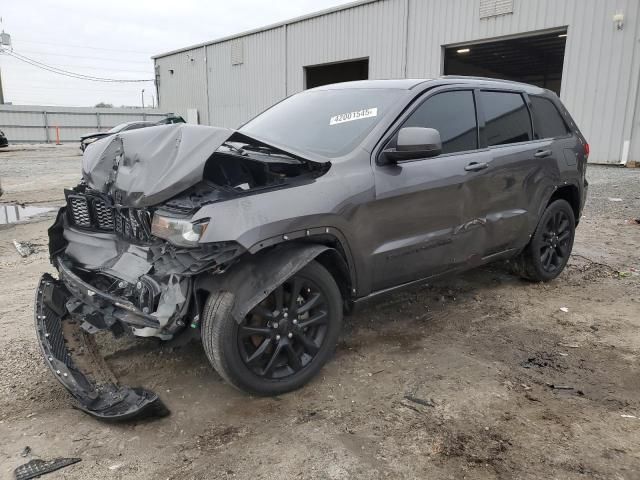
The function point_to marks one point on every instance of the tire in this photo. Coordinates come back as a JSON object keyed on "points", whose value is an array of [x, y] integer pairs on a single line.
{"points": [[280, 339], [533, 264]]}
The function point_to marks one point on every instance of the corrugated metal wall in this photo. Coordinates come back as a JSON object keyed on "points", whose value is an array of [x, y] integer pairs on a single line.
{"points": [[376, 31], [182, 83], [405, 38], [239, 92], [36, 124]]}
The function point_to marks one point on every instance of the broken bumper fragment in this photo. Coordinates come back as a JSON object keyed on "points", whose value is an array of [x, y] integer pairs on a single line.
{"points": [[72, 354]]}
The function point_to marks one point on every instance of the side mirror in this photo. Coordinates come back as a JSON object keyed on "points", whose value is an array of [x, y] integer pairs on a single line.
{"points": [[413, 143]]}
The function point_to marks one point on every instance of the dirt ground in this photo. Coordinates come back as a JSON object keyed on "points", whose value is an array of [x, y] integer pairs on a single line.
{"points": [[451, 380]]}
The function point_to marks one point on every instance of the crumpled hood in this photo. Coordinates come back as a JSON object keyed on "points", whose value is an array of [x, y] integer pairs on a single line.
{"points": [[148, 166]]}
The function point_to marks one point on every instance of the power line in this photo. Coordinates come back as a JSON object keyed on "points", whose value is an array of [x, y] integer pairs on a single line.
{"points": [[108, 59], [67, 73], [87, 47]]}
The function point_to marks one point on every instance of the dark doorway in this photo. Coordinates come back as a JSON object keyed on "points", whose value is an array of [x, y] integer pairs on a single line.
{"points": [[535, 59], [318, 75]]}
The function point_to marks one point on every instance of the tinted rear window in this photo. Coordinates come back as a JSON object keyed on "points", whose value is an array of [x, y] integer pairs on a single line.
{"points": [[453, 114], [547, 119], [507, 118]]}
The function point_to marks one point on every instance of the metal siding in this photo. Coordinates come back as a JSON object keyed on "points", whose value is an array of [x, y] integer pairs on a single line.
{"points": [[186, 88], [239, 92], [26, 123], [406, 38], [600, 73], [375, 31]]}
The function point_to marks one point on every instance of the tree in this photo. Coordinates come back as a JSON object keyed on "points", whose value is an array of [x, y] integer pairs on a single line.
{"points": [[104, 105]]}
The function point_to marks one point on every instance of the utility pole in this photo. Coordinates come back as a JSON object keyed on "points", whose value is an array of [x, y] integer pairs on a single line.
{"points": [[5, 41], [143, 98]]}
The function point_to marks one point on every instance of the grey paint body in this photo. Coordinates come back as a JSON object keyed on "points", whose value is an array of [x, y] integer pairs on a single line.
{"points": [[394, 223], [376, 226], [401, 223]]}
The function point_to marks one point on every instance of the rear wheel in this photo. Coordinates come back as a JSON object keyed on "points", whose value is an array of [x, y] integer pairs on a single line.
{"points": [[550, 247], [283, 342]]}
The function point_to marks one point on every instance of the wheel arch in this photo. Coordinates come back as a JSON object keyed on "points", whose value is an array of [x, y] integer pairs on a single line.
{"points": [[571, 195], [255, 276]]}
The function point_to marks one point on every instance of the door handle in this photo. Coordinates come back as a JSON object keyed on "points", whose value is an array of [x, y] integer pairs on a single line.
{"points": [[543, 153], [475, 166]]}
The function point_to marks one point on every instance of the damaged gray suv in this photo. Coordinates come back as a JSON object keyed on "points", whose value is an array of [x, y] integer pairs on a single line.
{"points": [[258, 240]]}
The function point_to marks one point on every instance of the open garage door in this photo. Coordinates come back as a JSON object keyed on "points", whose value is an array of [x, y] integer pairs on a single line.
{"points": [[535, 59], [318, 75]]}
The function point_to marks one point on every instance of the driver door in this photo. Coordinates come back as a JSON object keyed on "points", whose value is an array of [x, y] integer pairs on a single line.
{"points": [[420, 210]]}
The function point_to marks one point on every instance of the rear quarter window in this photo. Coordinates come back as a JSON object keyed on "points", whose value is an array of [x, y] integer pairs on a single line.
{"points": [[547, 120], [506, 118]]}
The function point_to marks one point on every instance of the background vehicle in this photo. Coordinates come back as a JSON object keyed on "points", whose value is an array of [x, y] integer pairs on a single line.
{"points": [[261, 239], [3, 140], [125, 127]]}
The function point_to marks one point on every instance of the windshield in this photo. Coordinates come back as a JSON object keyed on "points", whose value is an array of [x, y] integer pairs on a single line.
{"points": [[326, 122]]}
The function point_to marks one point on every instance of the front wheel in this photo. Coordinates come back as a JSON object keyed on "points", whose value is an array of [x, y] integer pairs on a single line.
{"points": [[550, 247], [283, 342]]}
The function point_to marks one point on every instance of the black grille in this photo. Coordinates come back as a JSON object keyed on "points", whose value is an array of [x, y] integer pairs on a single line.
{"points": [[90, 211]]}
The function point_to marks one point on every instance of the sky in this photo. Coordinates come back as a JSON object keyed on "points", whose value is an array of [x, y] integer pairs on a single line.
{"points": [[115, 39]]}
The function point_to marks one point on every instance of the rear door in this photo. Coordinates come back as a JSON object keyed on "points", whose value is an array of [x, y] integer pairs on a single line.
{"points": [[521, 167], [420, 204]]}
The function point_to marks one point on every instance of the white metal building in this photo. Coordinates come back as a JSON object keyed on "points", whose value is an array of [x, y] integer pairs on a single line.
{"points": [[586, 50]]}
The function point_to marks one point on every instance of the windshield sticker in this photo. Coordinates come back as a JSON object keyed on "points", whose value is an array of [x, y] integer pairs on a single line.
{"points": [[351, 116]]}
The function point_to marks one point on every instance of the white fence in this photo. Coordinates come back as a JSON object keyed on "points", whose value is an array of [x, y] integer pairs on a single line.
{"points": [[39, 124]]}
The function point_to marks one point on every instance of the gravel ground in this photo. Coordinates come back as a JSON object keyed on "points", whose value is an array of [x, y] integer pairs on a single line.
{"points": [[449, 380]]}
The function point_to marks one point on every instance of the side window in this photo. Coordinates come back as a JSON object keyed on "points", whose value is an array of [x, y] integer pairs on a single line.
{"points": [[547, 119], [506, 118], [453, 114]]}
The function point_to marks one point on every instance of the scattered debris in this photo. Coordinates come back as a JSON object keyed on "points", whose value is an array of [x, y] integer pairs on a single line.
{"points": [[24, 248], [564, 309], [568, 345], [543, 360], [116, 466], [562, 354], [559, 387], [525, 386], [37, 467], [628, 416], [614, 199], [420, 401], [565, 388], [26, 451]]}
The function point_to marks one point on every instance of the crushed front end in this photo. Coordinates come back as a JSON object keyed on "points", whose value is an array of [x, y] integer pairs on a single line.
{"points": [[113, 274], [127, 248]]}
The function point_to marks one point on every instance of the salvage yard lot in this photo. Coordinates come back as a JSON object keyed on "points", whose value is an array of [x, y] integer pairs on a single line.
{"points": [[457, 379]]}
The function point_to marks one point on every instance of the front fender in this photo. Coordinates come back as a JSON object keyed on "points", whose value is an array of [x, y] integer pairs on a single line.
{"points": [[253, 278]]}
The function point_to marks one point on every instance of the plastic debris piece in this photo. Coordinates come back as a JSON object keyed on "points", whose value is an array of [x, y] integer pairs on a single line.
{"points": [[628, 416], [420, 401], [564, 309], [612, 199], [24, 248], [38, 467], [26, 451]]}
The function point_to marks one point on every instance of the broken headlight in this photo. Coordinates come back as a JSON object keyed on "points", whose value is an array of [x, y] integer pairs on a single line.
{"points": [[178, 231]]}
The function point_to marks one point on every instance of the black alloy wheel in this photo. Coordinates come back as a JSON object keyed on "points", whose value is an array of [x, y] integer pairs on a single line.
{"points": [[284, 333], [283, 341], [555, 248], [548, 251]]}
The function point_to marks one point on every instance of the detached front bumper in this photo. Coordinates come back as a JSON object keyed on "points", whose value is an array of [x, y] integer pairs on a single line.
{"points": [[72, 354]]}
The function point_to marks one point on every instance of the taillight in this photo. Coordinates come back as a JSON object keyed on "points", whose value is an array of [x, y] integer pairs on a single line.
{"points": [[586, 149]]}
